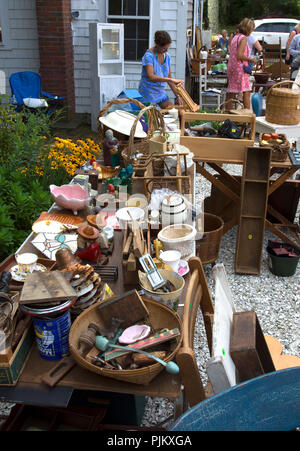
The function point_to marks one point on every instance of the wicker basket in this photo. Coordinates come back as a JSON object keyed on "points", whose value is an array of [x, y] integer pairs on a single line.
{"points": [[279, 151], [283, 104], [160, 316], [102, 128], [156, 121]]}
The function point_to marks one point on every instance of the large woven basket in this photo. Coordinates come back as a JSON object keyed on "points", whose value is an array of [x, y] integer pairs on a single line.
{"points": [[102, 128], [160, 316], [283, 104], [156, 122]]}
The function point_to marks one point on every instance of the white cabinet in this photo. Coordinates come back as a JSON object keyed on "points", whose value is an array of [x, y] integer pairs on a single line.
{"points": [[107, 65]]}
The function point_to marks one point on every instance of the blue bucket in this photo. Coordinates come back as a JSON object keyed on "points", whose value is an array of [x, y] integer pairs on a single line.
{"points": [[52, 336]]}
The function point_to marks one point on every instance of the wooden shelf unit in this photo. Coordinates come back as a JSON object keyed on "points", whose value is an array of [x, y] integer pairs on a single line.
{"points": [[254, 199]]}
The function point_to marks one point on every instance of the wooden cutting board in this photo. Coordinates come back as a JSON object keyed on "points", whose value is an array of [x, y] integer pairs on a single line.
{"points": [[129, 307], [43, 287]]}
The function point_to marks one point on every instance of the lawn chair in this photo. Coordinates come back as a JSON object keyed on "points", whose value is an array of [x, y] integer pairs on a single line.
{"points": [[270, 402], [26, 90]]}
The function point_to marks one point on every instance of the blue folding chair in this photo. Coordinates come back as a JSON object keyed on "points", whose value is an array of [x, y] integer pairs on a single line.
{"points": [[270, 402], [27, 85]]}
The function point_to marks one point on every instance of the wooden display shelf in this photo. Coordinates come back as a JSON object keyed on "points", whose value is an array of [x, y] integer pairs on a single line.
{"points": [[216, 149], [254, 200]]}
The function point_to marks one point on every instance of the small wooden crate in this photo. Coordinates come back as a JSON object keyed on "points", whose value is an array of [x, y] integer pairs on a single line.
{"points": [[10, 371], [248, 347], [218, 149]]}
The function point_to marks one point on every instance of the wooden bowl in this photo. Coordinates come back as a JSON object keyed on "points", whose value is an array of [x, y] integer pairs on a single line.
{"points": [[261, 77], [160, 316]]}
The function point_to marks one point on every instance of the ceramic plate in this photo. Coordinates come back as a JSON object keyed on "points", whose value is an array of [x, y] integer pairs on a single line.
{"points": [[84, 289], [19, 276], [183, 268], [47, 226]]}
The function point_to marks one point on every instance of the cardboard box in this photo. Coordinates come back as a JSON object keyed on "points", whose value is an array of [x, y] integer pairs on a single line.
{"points": [[11, 370]]}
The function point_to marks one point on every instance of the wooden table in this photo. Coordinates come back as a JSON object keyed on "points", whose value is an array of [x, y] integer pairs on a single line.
{"points": [[31, 390], [230, 187]]}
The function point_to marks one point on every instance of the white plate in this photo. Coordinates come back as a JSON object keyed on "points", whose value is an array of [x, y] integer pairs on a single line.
{"points": [[19, 276], [183, 268], [47, 226]]}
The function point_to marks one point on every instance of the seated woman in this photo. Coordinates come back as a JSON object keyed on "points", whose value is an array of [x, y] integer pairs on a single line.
{"points": [[156, 73]]}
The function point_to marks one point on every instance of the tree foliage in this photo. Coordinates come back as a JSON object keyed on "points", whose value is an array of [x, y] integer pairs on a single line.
{"points": [[233, 11]]}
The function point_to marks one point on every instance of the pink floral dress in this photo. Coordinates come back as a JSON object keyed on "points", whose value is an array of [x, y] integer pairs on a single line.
{"points": [[238, 80]]}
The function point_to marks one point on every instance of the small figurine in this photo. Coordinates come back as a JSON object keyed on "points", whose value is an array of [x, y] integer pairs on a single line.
{"points": [[111, 149]]}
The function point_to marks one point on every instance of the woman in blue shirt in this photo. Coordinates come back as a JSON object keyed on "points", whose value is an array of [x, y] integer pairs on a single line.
{"points": [[156, 72]]}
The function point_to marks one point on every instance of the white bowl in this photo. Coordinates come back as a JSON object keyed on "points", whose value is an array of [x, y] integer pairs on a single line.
{"points": [[178, 237], [123, 216]]}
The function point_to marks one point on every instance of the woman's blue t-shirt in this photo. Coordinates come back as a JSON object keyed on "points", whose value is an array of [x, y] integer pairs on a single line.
{"points": [[154, 91]]}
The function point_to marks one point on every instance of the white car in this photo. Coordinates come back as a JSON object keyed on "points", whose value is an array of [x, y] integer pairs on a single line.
{"points": [[272, 29]]}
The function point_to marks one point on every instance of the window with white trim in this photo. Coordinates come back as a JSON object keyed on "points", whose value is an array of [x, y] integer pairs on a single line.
{"points": [[135, 15]]}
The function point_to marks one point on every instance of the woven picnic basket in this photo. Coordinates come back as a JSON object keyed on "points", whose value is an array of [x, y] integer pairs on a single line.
{"points": [[102, 128], [283, 104], [160, 317], [279, 151], [156, 122]]}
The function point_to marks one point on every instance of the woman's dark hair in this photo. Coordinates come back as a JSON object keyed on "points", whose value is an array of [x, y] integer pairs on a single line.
{"points": [[162, 38]]}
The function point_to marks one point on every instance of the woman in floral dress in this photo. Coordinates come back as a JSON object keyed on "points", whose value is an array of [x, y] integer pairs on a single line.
{"points": [[238, 80]]}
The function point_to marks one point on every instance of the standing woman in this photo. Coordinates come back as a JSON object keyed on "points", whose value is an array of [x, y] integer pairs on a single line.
{"points": [[293, 33], [156, 72], [238, 79]]}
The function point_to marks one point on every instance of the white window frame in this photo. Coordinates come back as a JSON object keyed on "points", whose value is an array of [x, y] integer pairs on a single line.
{"points": [[108, 16]]}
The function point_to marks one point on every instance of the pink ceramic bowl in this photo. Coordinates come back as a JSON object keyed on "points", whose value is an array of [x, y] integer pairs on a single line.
{"points": [[72, 197]]}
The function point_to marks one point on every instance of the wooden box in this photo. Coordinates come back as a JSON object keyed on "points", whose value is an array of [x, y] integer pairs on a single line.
{"points": [[218, 149], [154, 176], [11, 370], [248, 347]]}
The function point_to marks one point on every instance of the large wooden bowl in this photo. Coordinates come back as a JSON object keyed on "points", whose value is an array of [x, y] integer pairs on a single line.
{"points": [[160, 316]]}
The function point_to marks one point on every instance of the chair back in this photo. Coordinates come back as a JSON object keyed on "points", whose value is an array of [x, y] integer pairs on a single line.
{"points": [[202, 81], [272, 59], [25, 84], [197, 295]]}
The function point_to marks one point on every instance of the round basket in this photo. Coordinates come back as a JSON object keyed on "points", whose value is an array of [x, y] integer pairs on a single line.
{"points": [[170, 299], [283, 104], [102, 128], [279, 151], [160, 316], [142, 145]]}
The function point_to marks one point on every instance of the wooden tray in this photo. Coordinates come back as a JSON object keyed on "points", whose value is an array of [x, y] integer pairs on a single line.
{"points": [[11, 261]]}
